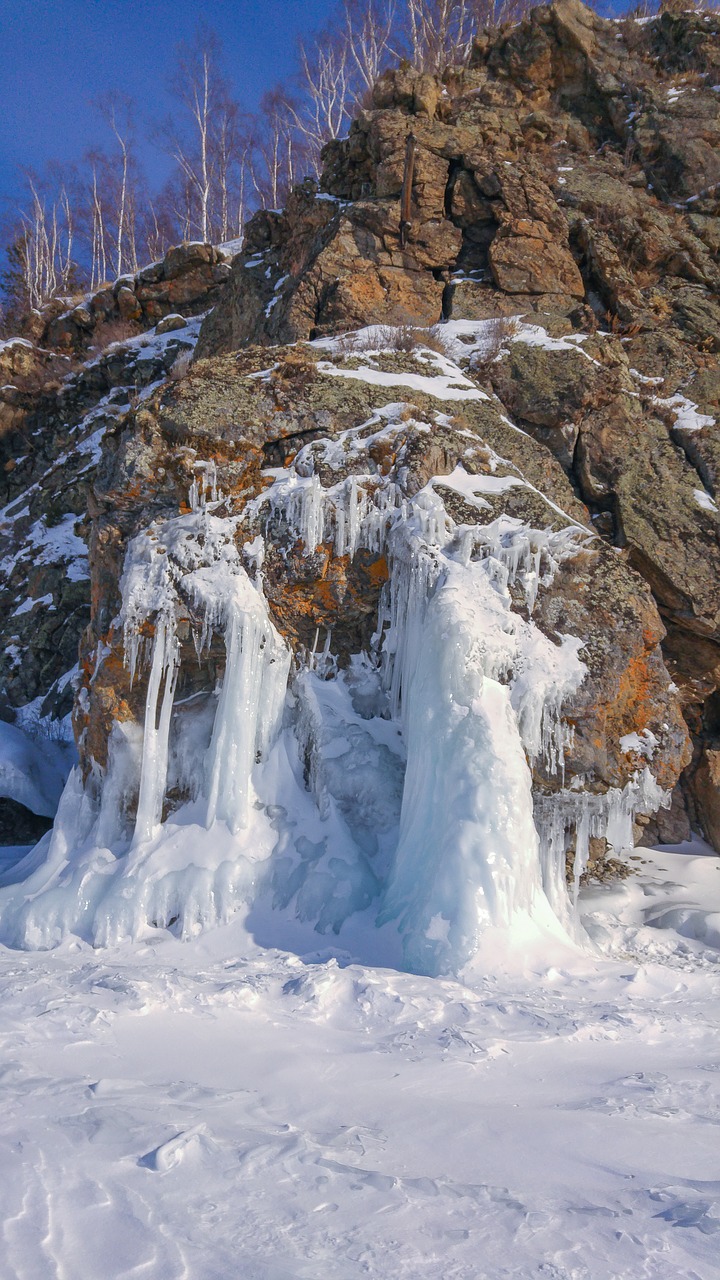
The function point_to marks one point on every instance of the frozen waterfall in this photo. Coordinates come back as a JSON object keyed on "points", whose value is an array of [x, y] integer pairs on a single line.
{"points": [[249, 706], [400, 787], [468, 851]]}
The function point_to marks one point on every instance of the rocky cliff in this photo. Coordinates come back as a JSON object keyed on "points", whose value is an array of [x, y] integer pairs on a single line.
{"points": [[486, 410], [73, 373], [569, 175]]}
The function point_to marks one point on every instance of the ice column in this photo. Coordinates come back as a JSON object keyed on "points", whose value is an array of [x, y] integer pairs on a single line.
{"points": [[249, 706], [468, 854], [193, 560], [156, 735]]}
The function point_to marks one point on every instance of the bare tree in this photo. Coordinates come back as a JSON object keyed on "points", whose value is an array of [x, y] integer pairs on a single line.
{"points": [[338, 67], [370, 35], [325, 77], [117, 111], [278, 151], [188, 137], [197, 90], [157, 229], [243, 182], [208, 141], [176, 208], [234, 139], [114, 192], [98, 232], [46, 236], [440, 31]]}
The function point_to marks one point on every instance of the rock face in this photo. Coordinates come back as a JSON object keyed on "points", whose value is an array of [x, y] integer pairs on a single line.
{"points": [[323, 266], [565, 225], [61, 392], [569, 176], [49, 452], [561, 165]]}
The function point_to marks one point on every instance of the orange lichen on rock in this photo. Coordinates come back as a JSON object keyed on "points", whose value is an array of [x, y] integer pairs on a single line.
{"points": [[326, 593], [109, 699]]}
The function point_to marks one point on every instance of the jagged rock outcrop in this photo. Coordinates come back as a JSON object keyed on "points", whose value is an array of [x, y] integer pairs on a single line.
{"points": [[49, 459], [187, 280], [559, 166]]}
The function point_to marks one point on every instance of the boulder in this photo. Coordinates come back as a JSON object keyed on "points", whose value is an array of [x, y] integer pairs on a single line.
{"points": [[129, 307], [546, 388], [171, 322], [186, 258]]}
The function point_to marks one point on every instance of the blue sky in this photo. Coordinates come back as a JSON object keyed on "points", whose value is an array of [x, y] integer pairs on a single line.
{"points": [[57, 55]]}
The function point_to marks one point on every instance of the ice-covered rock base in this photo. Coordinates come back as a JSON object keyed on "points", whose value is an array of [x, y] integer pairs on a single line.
{"points": [[400, 786]]}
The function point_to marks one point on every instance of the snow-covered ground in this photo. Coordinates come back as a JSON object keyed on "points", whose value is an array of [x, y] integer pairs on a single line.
{"points": [[221, 1108]]}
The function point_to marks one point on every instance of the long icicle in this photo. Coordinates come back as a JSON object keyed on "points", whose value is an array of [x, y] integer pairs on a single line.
{"points": [[153, 770]]}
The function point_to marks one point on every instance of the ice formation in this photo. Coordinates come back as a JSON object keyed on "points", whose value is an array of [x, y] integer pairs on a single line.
{"points": [[196, 570], [610, 815], [467, 855], [156, 737], [32, 772], [250, 703], [402, 784]]}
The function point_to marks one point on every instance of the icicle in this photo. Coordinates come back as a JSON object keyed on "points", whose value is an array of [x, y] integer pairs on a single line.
{"points": [[153, 769], [312, 514], [206, 490], [325, 663], [349, 507], [610, 816], [414, 574], [582, 850], [249, 707]]}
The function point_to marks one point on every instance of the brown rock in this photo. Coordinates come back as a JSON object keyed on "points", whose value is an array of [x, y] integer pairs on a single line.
{"points": [[171, 322], [669, 826], [412, 91], [128, 305], [521, 264], [546, 388], [350, 273], [627, 688], [705, 787], [468, 206], [186, 258], [626, 455]]}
